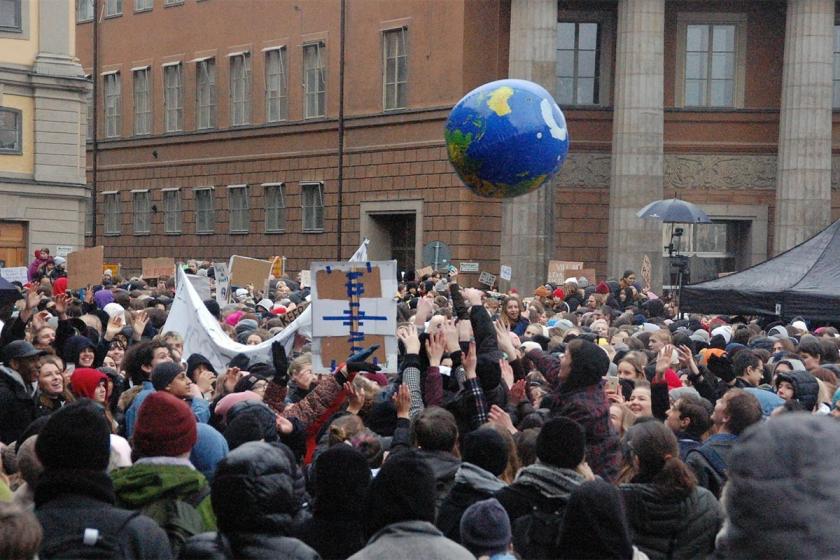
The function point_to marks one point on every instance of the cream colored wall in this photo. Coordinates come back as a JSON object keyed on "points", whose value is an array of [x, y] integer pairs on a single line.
{"points": [[23, 51], [25, 162]]}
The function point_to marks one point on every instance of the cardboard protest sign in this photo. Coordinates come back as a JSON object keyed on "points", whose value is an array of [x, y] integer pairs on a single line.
{"points": [[84, 268], [290, 316], [158, 267], [557, 270], [469, 267], [487, 279], [305, 279], [63, 250], [353, 308], [222, 283], [245, 270], [15, 274], [505, 273], [646, 272], [425, 271], [113, 267], [278, 265]]}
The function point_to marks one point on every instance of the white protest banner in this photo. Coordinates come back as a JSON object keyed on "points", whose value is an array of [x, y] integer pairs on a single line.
{"points": [[487, 279], [222, 283], [505, 273], [352, 309], [203, 334], [201, 285], [361, 253], [15, 274]]}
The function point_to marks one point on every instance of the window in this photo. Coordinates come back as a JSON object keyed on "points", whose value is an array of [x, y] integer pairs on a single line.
{"points": [[836, 103], [172, 211], [84, 10], [240, 89], [395, 62], [699, 240], [205, 220], [172, 2], [11, 131], [173, 98], [314, 81], [239, 218], [578, 61], [142, 212], [143, 5], [276, 86], [90, 110], [142, 102], [205, 93], [275, 207], [10, 15], [89, 215], [313, 206], [113, 105], [711, 60], [112, 213], [113, 8]]}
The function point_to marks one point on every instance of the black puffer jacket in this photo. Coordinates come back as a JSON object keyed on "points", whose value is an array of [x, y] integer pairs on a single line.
{"points": [[254, 499], [668, 527], [806, 390]]}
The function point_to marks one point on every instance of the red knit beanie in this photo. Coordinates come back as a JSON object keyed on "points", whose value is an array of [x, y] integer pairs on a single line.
{"points": [[84, 382], [602, 288], [60, 286], [165, 426], [559, 293]]}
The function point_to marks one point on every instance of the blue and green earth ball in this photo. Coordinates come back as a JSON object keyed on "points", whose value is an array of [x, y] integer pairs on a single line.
{"points": [[506, 138]]}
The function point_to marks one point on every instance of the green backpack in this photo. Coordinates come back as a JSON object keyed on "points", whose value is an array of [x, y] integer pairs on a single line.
{"points": [[180, 518]]}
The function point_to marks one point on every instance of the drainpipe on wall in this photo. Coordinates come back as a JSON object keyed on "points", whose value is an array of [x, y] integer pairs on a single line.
{"points": [[95, 113], [339, 225]]}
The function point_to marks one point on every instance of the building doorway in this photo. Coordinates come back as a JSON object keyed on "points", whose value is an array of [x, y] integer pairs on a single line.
{"points": [[13, 243], [395, 231], [399, 230]]}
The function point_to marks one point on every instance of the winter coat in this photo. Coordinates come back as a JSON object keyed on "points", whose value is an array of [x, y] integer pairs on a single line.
{"points": [[542, 486], [472, 484], [67, 502], [672, 527], [257, 507], [707, 476], [144, 483], [200, 408], [17, 405], [409, 540], [333, 536]]}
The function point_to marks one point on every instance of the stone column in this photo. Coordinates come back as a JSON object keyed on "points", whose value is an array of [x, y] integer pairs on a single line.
{"points": [[527, 241], [637, 161], [56, 39], [803, 192]]}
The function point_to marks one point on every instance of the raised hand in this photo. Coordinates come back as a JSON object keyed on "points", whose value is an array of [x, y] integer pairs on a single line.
{"points": [[435, 345], [469, 362], [450, 331], [61, 305], [473, 296], [115, 325], [402, 400], [663, 361], [504, 341], [355, 396], [507, 372], [410, 338], [517, 392], [138, 325], [425, 308], [499, 416]]}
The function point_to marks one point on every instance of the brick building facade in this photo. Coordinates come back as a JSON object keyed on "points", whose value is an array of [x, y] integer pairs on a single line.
{"points": [[661, 111]]}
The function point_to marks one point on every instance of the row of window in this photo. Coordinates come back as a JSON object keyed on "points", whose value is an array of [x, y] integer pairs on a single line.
{"points": [[113, 8], [276, 88], [239, 214]]}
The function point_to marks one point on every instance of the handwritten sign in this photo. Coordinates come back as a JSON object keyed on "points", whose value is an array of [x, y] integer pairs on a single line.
{"points": [[557, 270], [487, 279], [469, 267], [305, 279], [425, 271], [222, 283], [158, 267], [505, 273], [15, 274], [84, 268], [245, 270]]}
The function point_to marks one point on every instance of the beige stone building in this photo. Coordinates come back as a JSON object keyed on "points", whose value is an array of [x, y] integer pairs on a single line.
{"points": [[42, 130]]}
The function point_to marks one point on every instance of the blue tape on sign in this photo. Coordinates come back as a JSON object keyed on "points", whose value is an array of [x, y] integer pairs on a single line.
{"points": [[332, 365], [356, 336], [355, 304], [369, 269], [328, 269], [375, 361]]}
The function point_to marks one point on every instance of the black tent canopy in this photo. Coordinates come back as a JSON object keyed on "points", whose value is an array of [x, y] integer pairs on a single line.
{"points": [[803, 281]]}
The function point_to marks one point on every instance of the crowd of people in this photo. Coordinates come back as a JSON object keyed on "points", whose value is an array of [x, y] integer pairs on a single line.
{"points": [[579, 421]]}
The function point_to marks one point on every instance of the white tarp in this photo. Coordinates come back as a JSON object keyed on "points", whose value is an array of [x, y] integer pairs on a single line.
{"points": [[203, 334]]}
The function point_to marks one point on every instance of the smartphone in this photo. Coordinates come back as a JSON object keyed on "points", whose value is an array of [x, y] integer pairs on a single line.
{"points": [[612, 384]]}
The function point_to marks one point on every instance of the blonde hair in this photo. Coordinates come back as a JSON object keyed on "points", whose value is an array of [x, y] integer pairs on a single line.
{"points": [[345, 428], [300, 363], [627, 417]]}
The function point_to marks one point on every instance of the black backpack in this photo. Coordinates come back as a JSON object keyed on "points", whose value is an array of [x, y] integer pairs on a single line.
{"points": [[100, 543], [537, 533]]}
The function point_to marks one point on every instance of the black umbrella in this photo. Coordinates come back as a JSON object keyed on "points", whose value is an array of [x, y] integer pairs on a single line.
{"points": [[674, 210], [9, 293]]}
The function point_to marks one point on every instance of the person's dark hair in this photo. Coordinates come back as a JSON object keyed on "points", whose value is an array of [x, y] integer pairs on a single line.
{"points": [[829, 351], [139, 355], [656, 448], [697, 414], [628, 273], [743, 359], [435, 429], [595, 524], [743, 410], [526, 445], [371, 447], [741, 336], [404, 490], [811, 345]]}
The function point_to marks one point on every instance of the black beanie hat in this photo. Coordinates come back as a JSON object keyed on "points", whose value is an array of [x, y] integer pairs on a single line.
{"points": [[164, 373], [76, 436], [404, 490], [589, 363], [561, 443], [213, 307], [486, 448], [382, 418], [342, 477], [196, 360]]}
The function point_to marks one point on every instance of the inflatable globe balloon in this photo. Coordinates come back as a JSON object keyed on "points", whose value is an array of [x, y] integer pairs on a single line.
{"points": [[506, 138]]}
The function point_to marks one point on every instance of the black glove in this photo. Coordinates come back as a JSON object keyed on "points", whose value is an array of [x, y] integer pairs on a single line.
{"points": [[721, 366], [281, 363], [355, 367]]}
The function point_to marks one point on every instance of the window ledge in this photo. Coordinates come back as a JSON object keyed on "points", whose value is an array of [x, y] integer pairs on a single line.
{"points": [[205, 233], [112, 16], [172, 233], [239, 232], [313, 230], [11, 152], [142, 233], [89, 20], [273, 231], [112, 234]]}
